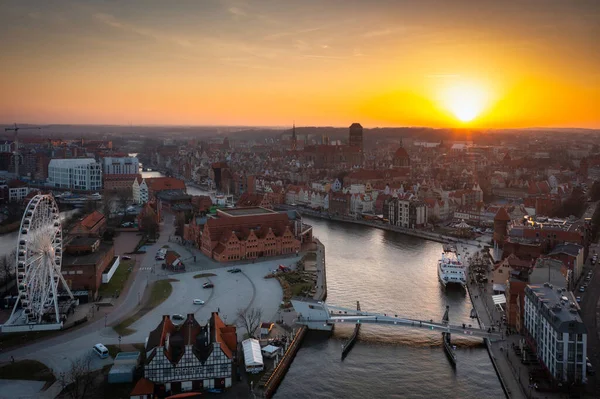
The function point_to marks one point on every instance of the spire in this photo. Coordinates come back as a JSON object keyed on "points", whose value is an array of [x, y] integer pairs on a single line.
{"points": [[294, 138]]}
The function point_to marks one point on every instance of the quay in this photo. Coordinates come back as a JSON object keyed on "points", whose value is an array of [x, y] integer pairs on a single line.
{"points": [[274, 379], [426, 235], [510, 385]]}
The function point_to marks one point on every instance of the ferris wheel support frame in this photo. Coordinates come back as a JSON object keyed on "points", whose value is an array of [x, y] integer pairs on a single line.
{"points": [[33, 275]]}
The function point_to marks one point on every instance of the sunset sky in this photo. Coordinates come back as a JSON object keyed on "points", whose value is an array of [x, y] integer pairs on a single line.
{"points": [[494, 64]]}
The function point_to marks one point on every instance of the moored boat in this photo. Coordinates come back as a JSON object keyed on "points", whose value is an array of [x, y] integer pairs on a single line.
{"points": [[451, 269]]}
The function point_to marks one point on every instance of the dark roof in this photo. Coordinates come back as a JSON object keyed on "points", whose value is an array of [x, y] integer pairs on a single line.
{"points": [[502, 215], [569, 249], [87, 259]]}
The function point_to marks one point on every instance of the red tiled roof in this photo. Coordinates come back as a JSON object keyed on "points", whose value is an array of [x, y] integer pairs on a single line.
{"points": [[143, 387], [92, 220], [225, 335], [401, 153], [171, 257], [502, 215], [165, 183]]}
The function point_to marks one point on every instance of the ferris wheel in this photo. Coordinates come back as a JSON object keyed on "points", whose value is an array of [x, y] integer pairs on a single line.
{"points": [[39, 257]]}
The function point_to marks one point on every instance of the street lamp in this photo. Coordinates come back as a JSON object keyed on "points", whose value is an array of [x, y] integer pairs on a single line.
{"points": [[105, 318], [119, 343]]}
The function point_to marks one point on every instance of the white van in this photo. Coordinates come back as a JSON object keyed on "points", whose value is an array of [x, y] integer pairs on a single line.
{"points": [[101, 351]]}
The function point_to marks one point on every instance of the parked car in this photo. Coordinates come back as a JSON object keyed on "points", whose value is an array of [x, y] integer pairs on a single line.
{"points": [[198, 302], [100, 350], [177, 317], [578, 299], [582, 289], [208, 285], [125, 257], [236, 270]]}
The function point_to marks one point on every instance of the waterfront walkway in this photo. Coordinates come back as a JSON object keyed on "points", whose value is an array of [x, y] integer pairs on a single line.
{"points": [[513, 375]]}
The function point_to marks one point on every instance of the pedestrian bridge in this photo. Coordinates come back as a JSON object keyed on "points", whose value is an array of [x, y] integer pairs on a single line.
{"points": [[317, 315]]}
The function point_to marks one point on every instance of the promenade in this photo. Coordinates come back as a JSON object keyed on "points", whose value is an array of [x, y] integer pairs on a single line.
{"points": [[513, 375]]}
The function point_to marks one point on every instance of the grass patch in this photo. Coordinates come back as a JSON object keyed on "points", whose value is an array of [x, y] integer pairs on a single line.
{"points": [[159, 292], [117, 282], [27, 370], [201, 275], [12, 340], [310, 256], [299, 288]]}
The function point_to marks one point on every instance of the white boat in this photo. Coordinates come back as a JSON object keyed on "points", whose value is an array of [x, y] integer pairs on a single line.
{"points": [[78, 200], [451, 269]]}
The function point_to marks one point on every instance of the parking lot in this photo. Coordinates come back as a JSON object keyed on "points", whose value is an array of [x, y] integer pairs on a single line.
{"points": [[231, 292]]}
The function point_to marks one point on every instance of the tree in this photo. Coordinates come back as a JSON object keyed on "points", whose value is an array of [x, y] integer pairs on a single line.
{"points": [[250, 319], [149, 226], [124, 197], [106, 205], [77, 381], [179, 224]]}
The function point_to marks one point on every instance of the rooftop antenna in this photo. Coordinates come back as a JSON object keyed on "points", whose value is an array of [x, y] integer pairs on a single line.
{"points": [[16, 152]]}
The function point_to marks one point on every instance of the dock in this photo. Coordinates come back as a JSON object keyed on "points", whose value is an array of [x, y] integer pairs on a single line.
{"points": [[270, 382], [350, 343]]}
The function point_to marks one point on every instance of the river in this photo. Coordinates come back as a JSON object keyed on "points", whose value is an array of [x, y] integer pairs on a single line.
{"points": [[390, 273]]}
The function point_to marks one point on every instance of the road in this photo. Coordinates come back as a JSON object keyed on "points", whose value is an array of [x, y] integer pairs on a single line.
{"points": [[590, 313]]}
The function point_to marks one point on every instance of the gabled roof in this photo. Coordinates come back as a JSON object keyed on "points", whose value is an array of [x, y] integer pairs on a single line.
{"points": [[502, 215], [92, 220], [165, 183], [143, 387]]}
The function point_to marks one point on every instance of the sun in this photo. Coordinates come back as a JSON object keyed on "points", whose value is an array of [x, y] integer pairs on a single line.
{"points": [[465, 100]]}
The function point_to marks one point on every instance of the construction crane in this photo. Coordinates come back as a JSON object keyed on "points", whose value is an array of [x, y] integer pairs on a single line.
{"points": [[16, 153]]}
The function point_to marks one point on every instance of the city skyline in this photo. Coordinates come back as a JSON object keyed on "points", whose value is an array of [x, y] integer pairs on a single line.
{"points": [[531, 64]]}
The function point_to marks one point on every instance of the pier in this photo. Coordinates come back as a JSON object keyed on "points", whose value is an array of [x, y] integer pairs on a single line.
{"points": [[350, 343], [446, 340]]}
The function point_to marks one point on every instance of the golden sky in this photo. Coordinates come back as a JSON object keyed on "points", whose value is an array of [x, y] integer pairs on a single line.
{"points": [[502, 64]]}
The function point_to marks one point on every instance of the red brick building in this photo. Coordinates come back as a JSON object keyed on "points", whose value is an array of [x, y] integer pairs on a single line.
{"points": [[260, 200], [92, 225], [84, 261], [158, 184], [339, 203], [249, 233], [116, 182]]}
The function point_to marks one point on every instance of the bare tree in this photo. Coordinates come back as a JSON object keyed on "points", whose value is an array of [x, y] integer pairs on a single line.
{"points": [[124, 197], [107, 204], [78, 381], [250, 319], [149, 226]]}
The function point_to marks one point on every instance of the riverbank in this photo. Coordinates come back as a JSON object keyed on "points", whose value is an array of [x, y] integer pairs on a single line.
{"points": [[497, 351], [279, 372], [426, 235]]}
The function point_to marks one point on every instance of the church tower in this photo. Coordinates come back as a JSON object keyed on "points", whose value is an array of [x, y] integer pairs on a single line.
{"points": [[294, 143]]}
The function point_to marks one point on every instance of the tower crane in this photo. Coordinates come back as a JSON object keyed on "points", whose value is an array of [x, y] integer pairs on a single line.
{"points": [[16, 153]]}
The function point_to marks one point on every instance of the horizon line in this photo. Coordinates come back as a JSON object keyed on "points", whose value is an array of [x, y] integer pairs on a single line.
{"points": [[274, 127]]}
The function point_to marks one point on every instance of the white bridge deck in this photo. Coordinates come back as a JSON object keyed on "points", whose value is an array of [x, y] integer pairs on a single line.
{"points": [[352, 316]]}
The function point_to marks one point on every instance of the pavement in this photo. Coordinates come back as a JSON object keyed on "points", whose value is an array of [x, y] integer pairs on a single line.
{"points": [[20, 389]]}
